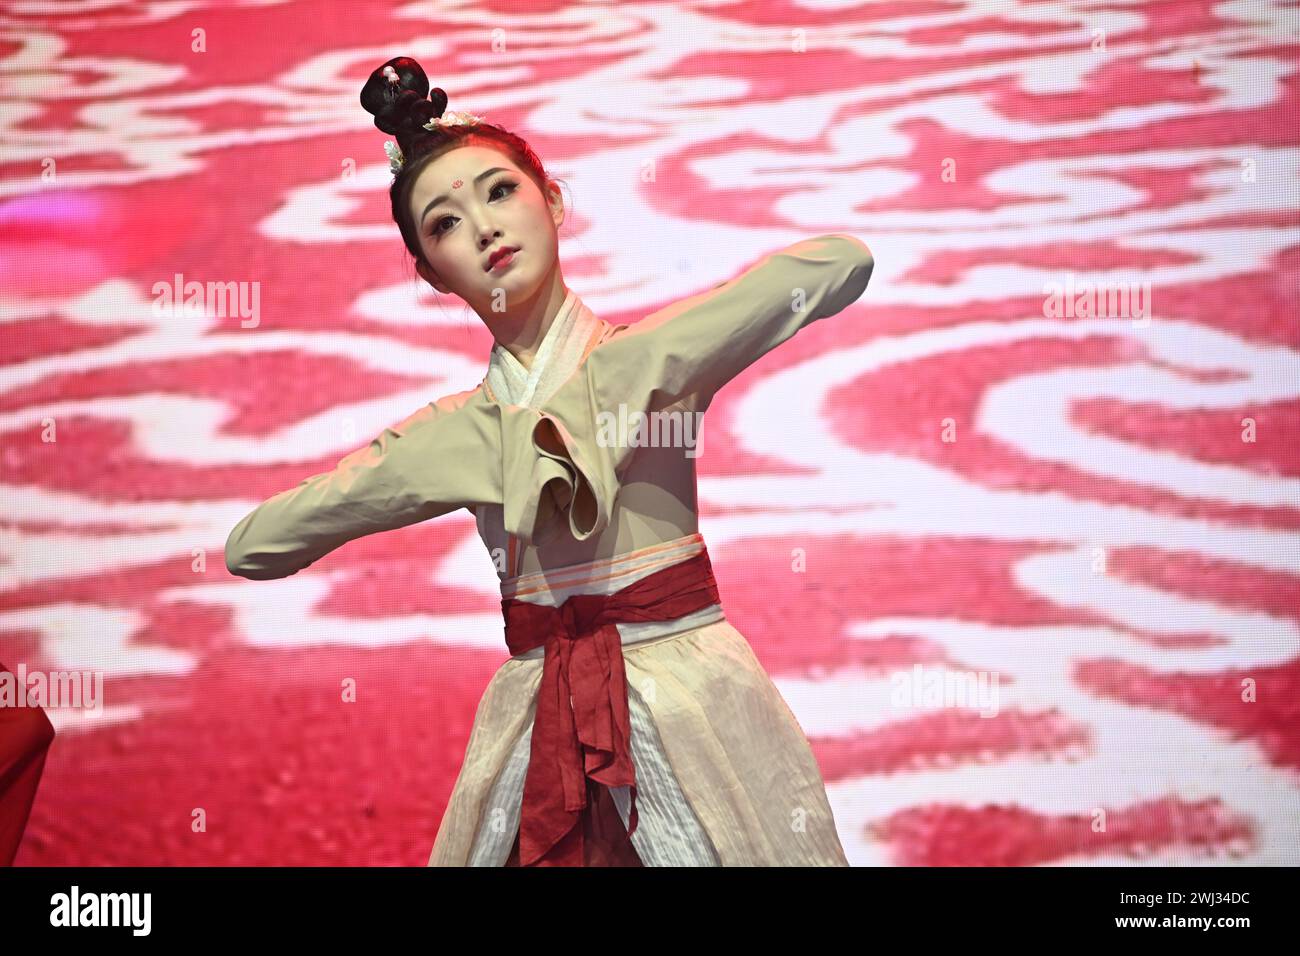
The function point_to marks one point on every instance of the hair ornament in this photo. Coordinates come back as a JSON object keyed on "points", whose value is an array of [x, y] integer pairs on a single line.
{"points": [[453, 118], [395, 158], [449, 118], [399, 98]]}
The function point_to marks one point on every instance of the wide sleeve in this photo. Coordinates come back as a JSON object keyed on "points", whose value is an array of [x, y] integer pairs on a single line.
{"points": [[448, 455], [691, 348]]}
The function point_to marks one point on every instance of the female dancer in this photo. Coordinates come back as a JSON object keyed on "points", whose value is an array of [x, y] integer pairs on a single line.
{"points": [[632, 724]]}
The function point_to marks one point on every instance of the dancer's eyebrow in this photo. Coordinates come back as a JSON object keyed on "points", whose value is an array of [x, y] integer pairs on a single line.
{"points": [[444, 197]]}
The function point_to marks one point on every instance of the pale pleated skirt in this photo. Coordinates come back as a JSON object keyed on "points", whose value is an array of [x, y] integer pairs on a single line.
{"points": [[725, 775]]}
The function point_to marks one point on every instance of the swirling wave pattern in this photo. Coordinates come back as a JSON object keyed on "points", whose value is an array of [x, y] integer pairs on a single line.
{"points": [[992, 469]]}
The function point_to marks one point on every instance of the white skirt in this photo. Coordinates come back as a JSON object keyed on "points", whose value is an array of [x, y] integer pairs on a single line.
{"points": [[725, 775]]}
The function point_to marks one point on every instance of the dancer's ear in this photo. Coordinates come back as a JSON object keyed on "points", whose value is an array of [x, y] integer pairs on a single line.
{"points": [[431, 277]]}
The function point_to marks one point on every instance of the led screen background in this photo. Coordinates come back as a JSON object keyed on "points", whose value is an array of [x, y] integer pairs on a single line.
{"points": [[972, 478]]}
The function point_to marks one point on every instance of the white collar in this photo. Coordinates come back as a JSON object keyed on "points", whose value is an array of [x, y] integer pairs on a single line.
{"points": [[557, 357]]}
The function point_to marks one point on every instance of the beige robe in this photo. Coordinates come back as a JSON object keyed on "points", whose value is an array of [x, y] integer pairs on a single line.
{"points": [[555, 485]]}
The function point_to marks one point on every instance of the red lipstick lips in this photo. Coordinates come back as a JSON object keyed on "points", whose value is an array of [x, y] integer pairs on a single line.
{"points": [[503, 253]]}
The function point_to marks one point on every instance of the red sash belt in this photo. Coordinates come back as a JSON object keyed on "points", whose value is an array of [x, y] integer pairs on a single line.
{"points": [[582, 729]]}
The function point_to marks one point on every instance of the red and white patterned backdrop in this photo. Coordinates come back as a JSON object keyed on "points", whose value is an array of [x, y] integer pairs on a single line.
{"points": [[1096, 511]]}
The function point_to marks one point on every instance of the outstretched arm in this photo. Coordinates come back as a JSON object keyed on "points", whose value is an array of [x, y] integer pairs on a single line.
{"points": [[433, 462], [699, 344], [550, 462], [693, 347]]}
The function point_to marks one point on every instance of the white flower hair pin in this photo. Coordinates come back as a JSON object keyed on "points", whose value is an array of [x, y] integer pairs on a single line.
{"points": [[453, 118], [394, 157], [449, 118]]}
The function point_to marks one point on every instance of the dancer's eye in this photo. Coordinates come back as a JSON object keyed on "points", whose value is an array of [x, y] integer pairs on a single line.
{"points": [[502, 182], [510, 186]]}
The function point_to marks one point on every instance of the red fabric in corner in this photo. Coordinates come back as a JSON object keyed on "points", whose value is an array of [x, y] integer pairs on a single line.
{"points": [[25, 738]]}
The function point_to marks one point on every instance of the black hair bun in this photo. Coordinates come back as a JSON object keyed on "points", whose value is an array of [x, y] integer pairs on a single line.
{"points": [[401, 109]]}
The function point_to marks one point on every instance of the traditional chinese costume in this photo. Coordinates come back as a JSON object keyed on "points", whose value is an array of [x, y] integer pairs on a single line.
{"points": [[683, 732]]}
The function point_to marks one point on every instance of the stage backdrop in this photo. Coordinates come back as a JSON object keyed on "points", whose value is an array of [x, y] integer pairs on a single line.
{"points": [[1016, 534]]}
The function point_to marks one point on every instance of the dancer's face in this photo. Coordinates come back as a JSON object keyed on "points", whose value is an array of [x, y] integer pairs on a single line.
{"points": [[471, 201]]}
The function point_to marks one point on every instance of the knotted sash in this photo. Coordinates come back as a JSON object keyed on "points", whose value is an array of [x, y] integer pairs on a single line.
{"points": [[582, 728]]}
